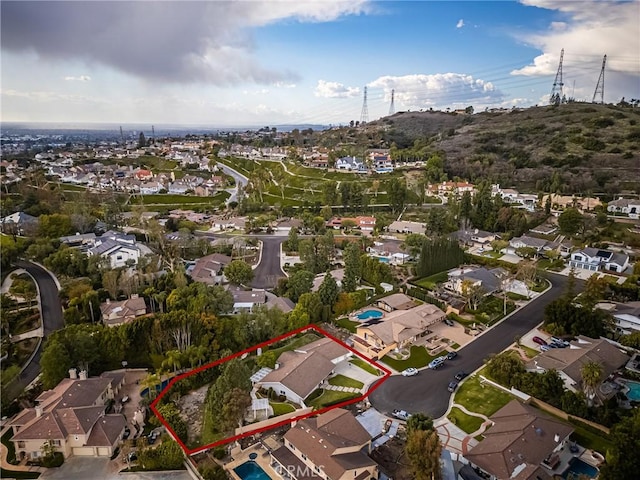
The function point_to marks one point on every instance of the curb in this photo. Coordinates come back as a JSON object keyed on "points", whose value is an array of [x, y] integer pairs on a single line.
{"points": [[253, 267]]}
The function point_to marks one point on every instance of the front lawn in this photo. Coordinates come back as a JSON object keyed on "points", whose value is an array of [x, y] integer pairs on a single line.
{"points": [[347, 324], [343, 381], [431, 281], [325, 398], [419, 358], [281, 408], [366, 366], [466, 422], [485, 399]]}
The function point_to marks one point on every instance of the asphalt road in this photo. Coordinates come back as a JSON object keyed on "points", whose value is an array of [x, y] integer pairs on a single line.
{"points": [[427, 392], [268, 272], [51, 316], [238, 177]]}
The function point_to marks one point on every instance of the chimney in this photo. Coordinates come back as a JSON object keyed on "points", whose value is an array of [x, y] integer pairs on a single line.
{"points": [[134, 295], [73, 374], [83, 374], [38, 411]]}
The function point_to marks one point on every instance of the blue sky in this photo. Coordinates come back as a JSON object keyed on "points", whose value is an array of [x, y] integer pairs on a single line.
{"points": [[253, 63]]}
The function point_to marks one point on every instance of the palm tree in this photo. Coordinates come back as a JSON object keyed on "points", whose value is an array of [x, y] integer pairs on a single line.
{"points": [[151, 381], [591, 373], [174, 360]]}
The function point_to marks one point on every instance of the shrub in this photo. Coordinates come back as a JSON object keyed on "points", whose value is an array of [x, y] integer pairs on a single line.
{"points": [[52, 461]]}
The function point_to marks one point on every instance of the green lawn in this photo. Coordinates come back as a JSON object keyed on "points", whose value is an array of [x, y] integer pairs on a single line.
{"points": [[419, 358], [324, 398], [348, 324], [281, 408], [343, 381], [466, 422], [529, 352], [431, 281], [486, 399], [171, 199], [366, 366], [295, 343], [11, 449]]}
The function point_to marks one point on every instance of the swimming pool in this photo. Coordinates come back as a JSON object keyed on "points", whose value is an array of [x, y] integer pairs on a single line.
{"points": [[577, 468], [634, 391], [368, 314], [383, 259], [251, 471]]}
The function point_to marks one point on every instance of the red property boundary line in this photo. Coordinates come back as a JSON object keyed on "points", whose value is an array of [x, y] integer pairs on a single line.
{"points": [[315, 328]]}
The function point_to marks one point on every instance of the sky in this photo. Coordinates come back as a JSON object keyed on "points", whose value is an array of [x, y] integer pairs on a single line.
{"points": [[272, 62]]}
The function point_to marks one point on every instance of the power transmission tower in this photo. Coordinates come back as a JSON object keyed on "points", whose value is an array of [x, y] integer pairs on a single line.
{"points": [[121, 136], [556, 92], [392, 107], [153, 134], [364, 116], [600, 84]]}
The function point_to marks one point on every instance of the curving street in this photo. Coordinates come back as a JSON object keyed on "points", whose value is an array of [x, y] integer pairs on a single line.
{"points": [[51, 317], [268, 271], [427, 392], [238, 177]]}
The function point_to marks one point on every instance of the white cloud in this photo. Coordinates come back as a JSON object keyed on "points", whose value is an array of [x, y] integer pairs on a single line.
{"points": [[81, 78], [326, 89], [460, 23], [419, 91], [591, 30]]}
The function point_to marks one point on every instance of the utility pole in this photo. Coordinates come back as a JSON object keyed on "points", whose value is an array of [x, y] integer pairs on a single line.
{"points": [[364, 116], [556, 91], [600, 84], [392, 108]]}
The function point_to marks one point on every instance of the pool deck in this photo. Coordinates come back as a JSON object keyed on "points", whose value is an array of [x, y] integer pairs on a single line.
{"points": [[241, 456]]}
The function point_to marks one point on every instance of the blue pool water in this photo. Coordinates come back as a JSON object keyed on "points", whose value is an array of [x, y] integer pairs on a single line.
{"points": [[577, 467], [367, 314], [634, 391], [159, 388], [251, 471], [383, 259]]}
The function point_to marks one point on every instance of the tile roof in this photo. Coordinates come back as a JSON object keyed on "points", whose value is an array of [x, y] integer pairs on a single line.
{"points": [[106, 431], [520, 435], [208, 267]]}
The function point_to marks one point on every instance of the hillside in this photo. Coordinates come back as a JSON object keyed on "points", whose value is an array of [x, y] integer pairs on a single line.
{"points": [[592, 148]]}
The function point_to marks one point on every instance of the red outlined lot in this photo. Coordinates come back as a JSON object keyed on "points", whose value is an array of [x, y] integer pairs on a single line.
{"points": [[376, 384]]}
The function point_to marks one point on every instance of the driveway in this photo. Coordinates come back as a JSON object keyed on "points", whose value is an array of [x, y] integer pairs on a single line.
{"points": [[427, 391], [85, 468], [238, 177]]}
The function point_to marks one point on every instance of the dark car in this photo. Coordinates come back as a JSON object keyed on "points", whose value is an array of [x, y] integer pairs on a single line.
{"points": [[452, 386], [460, 375], [449, 322], [539, 341], [132, 457], [126, 433], [452, 355], [152, 437]]}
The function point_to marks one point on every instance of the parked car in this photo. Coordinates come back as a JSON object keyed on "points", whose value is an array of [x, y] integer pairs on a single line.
{"points": [[409, 372], [452, 355], [436, 363], [460, 375], [449, 322], [539, 341], [127, 432], [452, 386], [132, 457], [401, 414], [152, 437], [545, 348], [559, 341], [124, 399]]}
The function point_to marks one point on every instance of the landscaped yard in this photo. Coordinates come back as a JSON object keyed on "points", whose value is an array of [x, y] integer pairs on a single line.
{"points": [[281, 408], [173, 199], [485, 399], [466, 422], [17, 474], [342, 381], [324, 398], [11, 449], [348, 324], [418, 358], [295, 343], [431, 281], [366, 366]]}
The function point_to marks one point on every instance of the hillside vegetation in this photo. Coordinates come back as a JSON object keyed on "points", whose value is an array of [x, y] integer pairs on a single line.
{"points": [[572, 148]]}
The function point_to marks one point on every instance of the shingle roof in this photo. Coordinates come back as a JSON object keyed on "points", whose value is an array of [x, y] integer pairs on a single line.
{"points": [[106, 431], [300, 372], [399, 301], [400, 325]]}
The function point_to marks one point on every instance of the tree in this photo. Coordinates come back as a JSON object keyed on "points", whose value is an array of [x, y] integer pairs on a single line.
{"points": [[299, 283], [505, 367], [423, 449], [317, 252], [570, 221], [330, 193], [55, 363], [625, 438], [465, 205], [473, 292], [311, 305], [591, 373], [238, 272], [527, 272], [292, 240], [419, 421], [352, 267], [110, 282], [54, 226], [236, 402], [397, 192], [142, 142]]}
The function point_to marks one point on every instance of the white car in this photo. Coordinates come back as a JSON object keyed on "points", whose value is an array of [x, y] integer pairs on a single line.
{"points": [[401, 414], [410, 372]]}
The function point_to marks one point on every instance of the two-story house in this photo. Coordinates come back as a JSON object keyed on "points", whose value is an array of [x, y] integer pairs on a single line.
{"points": [[595, 260], [125, 311], [120, 249], [352, 164], [72, 418], [331, 446], [626, 206]]}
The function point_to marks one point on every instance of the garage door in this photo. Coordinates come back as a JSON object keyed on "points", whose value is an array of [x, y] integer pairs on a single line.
{"points": [[83, 451], [104, 451]]}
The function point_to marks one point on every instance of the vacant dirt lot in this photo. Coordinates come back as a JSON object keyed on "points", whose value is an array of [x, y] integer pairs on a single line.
{"points": [[192, 410]]}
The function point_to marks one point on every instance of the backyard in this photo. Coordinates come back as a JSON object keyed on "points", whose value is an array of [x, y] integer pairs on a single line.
{"points": [[431, 282]]}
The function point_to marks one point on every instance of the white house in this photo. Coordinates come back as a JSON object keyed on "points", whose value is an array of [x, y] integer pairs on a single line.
{"points": [[350, 163], [120, 249], [599, 259], [626, 206]]}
